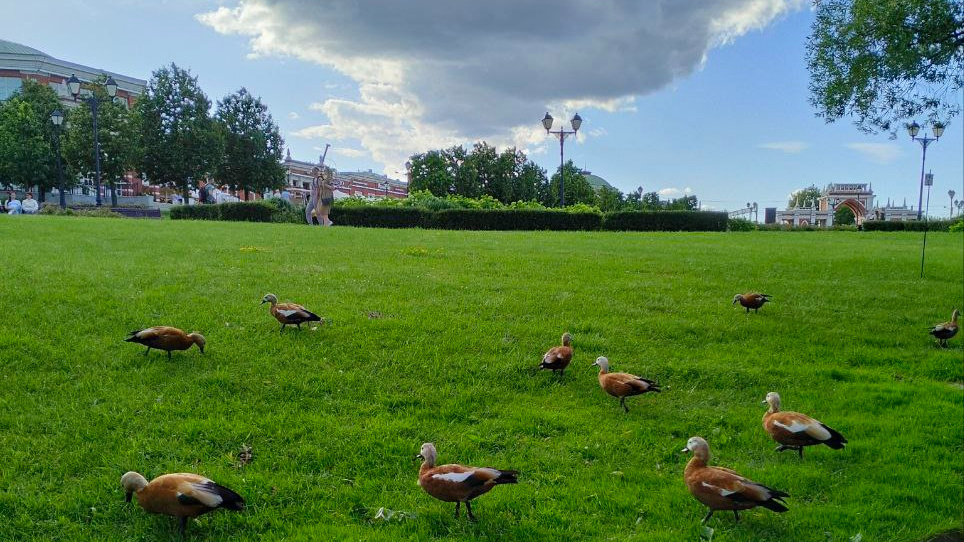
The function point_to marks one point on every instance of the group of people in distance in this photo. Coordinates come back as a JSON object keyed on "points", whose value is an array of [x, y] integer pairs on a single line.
{"points": [[13, 206]]}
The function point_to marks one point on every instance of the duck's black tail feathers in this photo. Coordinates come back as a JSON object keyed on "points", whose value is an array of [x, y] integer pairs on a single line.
{"points": [[836, 440], [132, 336], [775, 502], [507, 477], [231, 500]]}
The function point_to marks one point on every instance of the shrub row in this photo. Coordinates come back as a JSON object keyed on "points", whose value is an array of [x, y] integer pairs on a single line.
{"points": [[665, 221], [240, 211], [912, 225]]}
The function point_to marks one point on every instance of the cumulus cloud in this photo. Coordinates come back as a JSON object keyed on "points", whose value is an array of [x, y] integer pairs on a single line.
{"points": [[789, 147], [672, 192], [882, 153], [293, 116], [431, 74], [349, 152]]}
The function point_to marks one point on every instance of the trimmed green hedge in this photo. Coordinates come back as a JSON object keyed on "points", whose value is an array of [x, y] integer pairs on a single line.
{"points": [[910, 225], [665, 221], [253, 211], [380, 217], [512, 219], [195, 212]]}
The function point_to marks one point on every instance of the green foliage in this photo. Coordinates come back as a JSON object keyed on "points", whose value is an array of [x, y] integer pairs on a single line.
{"points": [[740, 224], [116, 132], [844, 216], [484, 172], [804, 198], [434, 336], [514, 219], [180, 142], [910, 225], [609, 199], [577, 188], [247, 211], [26, 156], [886, 62], [196, 212], [665, 221], [96, 212], [252, 155], [380, 217], [957, 226]]}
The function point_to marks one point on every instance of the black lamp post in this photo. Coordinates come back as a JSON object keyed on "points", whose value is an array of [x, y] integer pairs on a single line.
{"points": [[951, 194], [57, 118], [912, 129], [73, 84], [562, 133]]}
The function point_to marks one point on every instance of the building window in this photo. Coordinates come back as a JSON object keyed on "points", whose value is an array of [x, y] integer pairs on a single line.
{"points": [[8, 86]]}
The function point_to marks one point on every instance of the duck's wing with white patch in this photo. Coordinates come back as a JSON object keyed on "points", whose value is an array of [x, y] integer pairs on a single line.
{"points": [[470, 477], [801, 424], [732, 486], [204, 492]]}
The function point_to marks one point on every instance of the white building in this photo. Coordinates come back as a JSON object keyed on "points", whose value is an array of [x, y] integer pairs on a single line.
{"points": [[858, 197]]}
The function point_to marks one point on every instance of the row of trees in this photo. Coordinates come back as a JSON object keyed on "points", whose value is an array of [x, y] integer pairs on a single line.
{"points": [[169, 135], [510, 176]]}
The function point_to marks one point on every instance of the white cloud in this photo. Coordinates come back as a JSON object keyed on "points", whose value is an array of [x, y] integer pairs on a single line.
{"points": [[432, 74], [349, 152], [598, 132], [882, 153], [789, 147], [293, 116], [672, 192]]}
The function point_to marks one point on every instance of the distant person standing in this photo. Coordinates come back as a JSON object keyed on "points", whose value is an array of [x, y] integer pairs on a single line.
{"points": [[13, 204], [310, 204], [29, 205], [285, 195], [326, 197]]}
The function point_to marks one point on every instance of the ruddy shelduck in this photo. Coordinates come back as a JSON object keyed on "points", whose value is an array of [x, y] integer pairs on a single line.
{"points": [[558, 357], [182, 495], [622, 385], [793, 430], [458, 483], [946, 330], [289, 314], [751, 300], [719, 488], [166, 338]]}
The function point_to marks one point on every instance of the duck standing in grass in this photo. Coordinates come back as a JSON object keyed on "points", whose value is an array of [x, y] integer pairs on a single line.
{"points": [[723, 489], [166, 338], [622, 385], [751, 300], [458, 483], [181, 495], [558, 357], [793, 430], [289, 314], [946, 330]]}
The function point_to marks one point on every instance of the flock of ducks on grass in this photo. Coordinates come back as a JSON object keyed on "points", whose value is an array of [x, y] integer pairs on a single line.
{"points": [[184, 495]]}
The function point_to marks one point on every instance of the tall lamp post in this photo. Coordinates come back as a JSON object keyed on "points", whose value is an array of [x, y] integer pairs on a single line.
{"points": [[73, 84], [950, 194], [912, 129], [57, 118], [929, 181], [562, 133]]}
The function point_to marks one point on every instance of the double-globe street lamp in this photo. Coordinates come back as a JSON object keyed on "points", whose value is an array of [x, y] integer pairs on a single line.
{"points": [[912, 129], [73, 85], [57, 118], [562, 133]]}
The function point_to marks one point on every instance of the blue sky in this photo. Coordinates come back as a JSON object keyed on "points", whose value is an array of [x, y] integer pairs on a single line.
{"points": [[733, 128]]}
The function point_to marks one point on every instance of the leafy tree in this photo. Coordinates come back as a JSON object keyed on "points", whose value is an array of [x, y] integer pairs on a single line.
{"points": [[25, 152], [609, 199], [429, 171], [43, 101], [886, 61], [844, 216], [577, 188], [804, 198], [251, 160], [117, 134], [686, 203], [180, 143]]}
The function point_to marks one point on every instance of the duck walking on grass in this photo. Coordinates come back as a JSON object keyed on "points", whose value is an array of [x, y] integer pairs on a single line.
{"points": [[166, 338], [622, 385], [181, 495], [289, 314], [793, 430], [458, 483], [946, 330], [751, 300], [558, 357], [723, 489]]}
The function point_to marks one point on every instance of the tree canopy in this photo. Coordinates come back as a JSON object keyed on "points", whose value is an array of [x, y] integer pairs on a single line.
{"points": [[508, 176], [885, 63], [804, 198], [26, 151], [251, 160], [180, 143]]}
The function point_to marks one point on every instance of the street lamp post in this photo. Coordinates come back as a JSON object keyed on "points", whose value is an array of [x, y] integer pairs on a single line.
{"points": [[57, 118], [950, 194], [912, 129], [73, 84], [929, 181], [562, 133]]}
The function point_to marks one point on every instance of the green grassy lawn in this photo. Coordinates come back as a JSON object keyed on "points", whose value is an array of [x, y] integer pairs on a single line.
{"points": [[433, 336]]}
